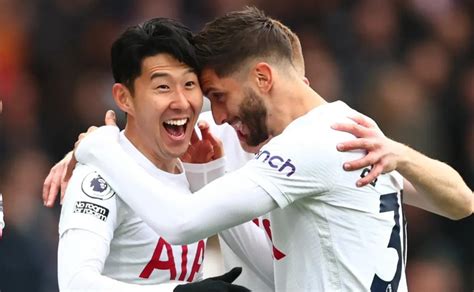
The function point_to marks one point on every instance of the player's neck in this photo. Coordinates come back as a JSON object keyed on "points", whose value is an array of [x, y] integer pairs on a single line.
{"points": [[291, 103], [168, 164]]}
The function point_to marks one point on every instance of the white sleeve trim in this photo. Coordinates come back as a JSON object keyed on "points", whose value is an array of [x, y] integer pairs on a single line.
{"points": [[200, 174], [203, 167]]}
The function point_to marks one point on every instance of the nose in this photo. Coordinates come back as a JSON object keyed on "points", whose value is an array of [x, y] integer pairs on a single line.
{"points": [[218, 113], [180, 100]]}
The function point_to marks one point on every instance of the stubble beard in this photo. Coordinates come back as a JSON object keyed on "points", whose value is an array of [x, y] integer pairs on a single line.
{"points": [[253, 114]]}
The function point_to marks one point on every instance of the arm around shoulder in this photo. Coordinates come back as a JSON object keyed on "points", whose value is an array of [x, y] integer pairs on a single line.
{"points": [[439, 188]]}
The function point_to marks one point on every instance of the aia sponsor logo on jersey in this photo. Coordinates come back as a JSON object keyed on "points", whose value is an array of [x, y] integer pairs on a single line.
{"points": [[94, 186], [95, 210], [163, 259], [277, 162]]}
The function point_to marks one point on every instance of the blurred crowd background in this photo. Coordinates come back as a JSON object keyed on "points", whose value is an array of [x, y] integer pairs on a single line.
{"points": [[407, 63]]}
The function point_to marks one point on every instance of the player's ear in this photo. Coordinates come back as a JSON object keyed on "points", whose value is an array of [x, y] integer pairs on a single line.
{"points": [[306, 80], [264, 76], [123, 98]]}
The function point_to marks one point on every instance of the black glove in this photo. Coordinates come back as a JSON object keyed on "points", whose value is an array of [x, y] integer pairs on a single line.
{"points": [[221, 283]]}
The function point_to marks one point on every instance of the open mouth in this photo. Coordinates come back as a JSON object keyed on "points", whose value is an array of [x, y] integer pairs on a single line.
{"points": [[240, 135], [239, 129], [176, 128]]}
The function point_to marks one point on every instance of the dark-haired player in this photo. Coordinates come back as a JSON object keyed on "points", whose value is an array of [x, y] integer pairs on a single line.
{"points": [[104, 245], [328, 235]]}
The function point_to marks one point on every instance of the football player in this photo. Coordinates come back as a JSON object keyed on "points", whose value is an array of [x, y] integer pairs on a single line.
{"points": [[105, 245], [324, 227]]}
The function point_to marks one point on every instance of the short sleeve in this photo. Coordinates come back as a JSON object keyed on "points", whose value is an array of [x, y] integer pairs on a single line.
{"points": [[89, 203], [290, 168]]}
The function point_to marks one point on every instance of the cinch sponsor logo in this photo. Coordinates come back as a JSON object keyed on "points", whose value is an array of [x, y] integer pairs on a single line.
{"points": [[276, 162], [95, 210]]}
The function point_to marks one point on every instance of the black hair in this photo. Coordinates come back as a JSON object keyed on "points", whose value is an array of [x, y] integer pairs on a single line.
{"points": [[155, 36]]}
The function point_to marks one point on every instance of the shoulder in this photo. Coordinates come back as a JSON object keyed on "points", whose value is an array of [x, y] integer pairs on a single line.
{"points": [[88, 183], [89, 203]]}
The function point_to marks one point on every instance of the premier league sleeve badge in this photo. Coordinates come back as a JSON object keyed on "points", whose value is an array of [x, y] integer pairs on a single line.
{"points": [[94, 186]]}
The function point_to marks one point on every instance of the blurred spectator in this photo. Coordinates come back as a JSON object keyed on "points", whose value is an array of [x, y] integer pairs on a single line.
{"points": [[430, 65], [404, 112], [91, 97], [321, 67], [28, 246], [20, 116], [453, 28], [434, 275], [13, 44], [146, 9]]}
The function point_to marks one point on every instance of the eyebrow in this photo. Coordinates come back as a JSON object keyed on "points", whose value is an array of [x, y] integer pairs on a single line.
{"points": [[209, 90], [165, 74], [158, 75]]}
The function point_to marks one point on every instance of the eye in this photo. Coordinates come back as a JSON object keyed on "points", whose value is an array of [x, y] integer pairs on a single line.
{"points": [[190, 84], [163, 88], [216, 96]]}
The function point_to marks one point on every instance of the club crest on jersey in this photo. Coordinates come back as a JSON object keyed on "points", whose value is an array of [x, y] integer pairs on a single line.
{"points": [[96, 187]]}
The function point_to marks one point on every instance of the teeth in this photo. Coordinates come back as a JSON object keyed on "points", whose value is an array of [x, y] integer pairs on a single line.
{"points": [[237, 125], [179, 122]]}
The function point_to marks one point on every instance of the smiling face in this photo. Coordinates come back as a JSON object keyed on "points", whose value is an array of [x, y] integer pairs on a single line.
{"points": [[163, 108], [238, 105]]}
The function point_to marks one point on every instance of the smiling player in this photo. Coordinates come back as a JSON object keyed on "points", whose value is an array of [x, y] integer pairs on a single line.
{"points": [[103, 244], [323, 227]]}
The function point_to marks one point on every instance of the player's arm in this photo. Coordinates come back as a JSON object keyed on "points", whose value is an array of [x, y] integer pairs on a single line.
{"points": [[60, 174], [204, 159], [435, 186], [200, 174], [58, 179], [226, 202], [81, 258], [87, 223], [250, 243]]}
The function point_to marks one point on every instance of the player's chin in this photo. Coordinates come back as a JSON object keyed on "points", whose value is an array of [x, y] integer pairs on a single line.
{"points": [[174, 148], [177, 149]]}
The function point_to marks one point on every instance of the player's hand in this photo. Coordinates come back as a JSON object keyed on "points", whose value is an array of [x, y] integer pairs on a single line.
{"points": [[203, 150], [382, 153], [216, 284], [57, 179], [61, 172]]}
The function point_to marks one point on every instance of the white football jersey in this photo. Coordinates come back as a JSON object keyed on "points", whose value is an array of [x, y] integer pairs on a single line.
{"points": [[328, 234], [137, 254], [253, 275]]}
